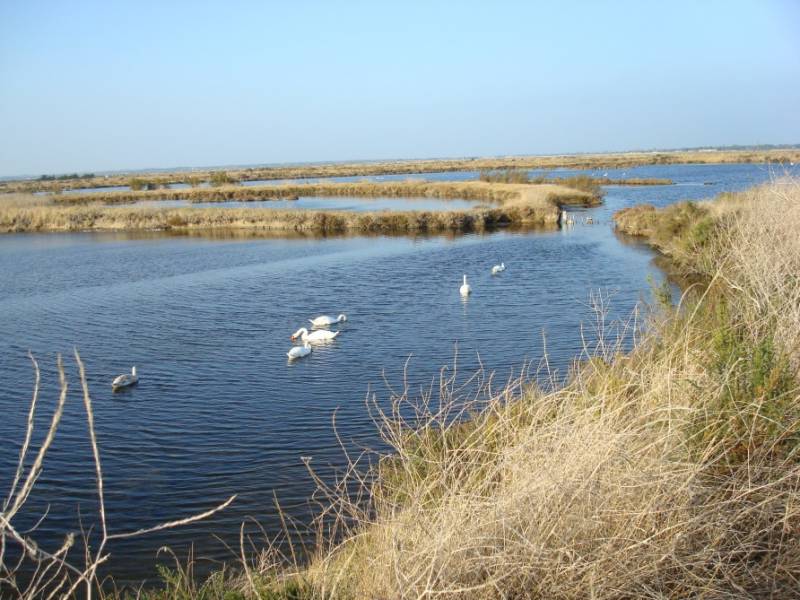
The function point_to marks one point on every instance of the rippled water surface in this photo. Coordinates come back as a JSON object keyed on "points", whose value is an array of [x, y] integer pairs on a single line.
{"points": [[219, 410]]}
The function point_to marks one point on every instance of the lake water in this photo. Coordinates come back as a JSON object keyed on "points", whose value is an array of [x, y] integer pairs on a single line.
{"points": [[348, 203], [219, 410]]}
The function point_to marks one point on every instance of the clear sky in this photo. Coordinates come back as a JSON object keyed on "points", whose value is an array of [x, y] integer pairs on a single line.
{"points": [[91, 86]]}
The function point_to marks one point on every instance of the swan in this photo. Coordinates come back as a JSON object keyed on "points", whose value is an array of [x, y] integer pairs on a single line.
{"points": [[125, 380], [325, 320], [299, 351], [321, 335], [498, 268], [465, 290]]}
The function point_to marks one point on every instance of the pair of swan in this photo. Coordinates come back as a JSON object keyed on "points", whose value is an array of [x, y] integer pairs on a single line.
{"points": [[125, 380], [465, 290], [319, 336]]}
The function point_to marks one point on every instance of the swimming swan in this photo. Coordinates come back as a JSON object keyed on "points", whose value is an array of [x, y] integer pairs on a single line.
{"points": [[125, 380], [498, 268], [299, 351], [325, 320], [465, 290], [321, 335]]}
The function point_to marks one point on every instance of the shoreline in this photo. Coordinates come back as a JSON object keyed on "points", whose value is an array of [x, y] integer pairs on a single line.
{"points": [[409, 167]]}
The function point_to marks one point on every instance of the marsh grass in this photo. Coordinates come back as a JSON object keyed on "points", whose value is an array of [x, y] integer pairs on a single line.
{"points": [[504, 205], [399, 167]]}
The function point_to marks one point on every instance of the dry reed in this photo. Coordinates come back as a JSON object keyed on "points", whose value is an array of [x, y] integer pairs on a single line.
{"points": [[508, 205]]}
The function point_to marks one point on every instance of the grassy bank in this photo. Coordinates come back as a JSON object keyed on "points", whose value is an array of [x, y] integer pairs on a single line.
{"points": [[670, 471], [505, 205], [399, 167]]}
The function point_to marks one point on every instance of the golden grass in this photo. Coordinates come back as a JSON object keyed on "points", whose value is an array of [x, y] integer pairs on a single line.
{"points": [[511, 205], [577, 161], [669, 472]]}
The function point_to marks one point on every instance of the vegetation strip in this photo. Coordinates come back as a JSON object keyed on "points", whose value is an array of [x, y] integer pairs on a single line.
{"points": [[400, 167], [508, 205]]}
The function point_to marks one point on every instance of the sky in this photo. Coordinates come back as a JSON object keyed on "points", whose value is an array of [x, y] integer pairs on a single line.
{"points": [[106, 85]]}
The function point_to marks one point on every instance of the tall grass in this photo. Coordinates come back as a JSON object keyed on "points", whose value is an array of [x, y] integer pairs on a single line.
{"points": [[670, 471]]}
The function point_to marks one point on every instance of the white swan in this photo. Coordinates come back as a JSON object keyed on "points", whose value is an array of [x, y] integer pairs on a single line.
{"points": [[498, 268], [325, 320], [465, 290], [321, 335], [125, 380], [299, 351]]}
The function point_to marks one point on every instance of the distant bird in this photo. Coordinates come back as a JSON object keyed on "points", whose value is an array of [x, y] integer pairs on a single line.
{"points": [[299, 351], [315, 337], [498, 268], [325, 320], [566, 219], [465, 290], [125, 380]]}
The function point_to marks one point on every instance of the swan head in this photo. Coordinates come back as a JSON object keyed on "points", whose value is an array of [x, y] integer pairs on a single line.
{"points": [[300, 332], [133, 371], [342, 318]]}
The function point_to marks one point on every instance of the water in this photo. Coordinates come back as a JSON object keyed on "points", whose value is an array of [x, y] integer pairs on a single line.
{"points": [[348, 203], [219, 410]]}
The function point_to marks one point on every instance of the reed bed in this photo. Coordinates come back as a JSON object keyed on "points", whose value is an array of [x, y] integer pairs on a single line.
{"points": [[469, 190], [509, 206], [399, 167]]}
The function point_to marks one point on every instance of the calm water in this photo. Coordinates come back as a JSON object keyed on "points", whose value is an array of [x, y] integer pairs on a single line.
{"points": [[349, 203], [218, 409]]}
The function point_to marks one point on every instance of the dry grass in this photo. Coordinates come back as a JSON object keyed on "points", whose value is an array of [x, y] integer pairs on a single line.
{"points": [[576, 161], [669, 472], [508, 205]]}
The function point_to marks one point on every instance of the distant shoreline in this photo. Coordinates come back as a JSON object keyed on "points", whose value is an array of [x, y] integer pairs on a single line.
{"points": [[405, 167]]}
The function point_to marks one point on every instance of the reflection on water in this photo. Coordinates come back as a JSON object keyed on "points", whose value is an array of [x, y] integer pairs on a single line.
{"points": [[206, 320]]}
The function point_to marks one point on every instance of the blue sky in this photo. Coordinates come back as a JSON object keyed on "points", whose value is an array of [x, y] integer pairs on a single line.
{"points": [[92, 86]]}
